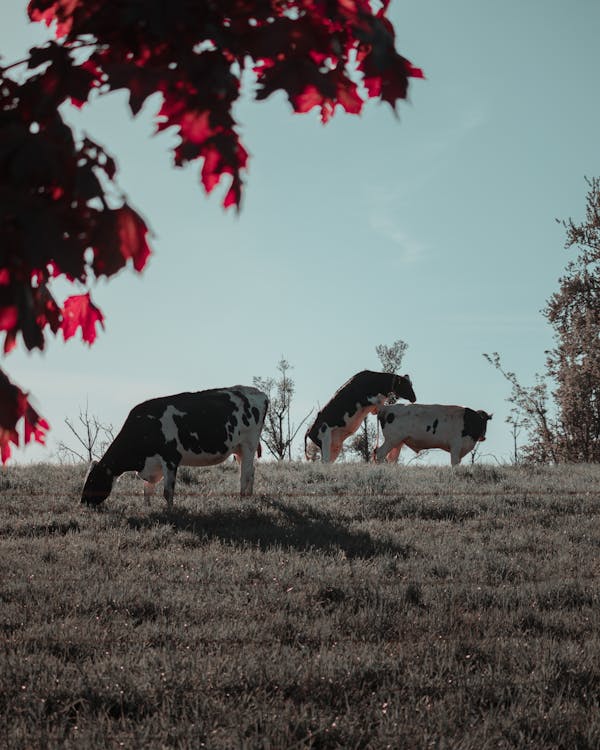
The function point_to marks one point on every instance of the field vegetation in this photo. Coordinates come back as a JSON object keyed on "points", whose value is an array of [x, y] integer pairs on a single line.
{"points": [[344, 606]]}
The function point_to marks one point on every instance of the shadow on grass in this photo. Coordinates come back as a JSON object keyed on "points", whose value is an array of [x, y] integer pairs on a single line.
{"points": [[277, 526], [53, 528]]}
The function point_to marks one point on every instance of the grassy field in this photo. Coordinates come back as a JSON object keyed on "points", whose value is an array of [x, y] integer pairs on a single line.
{"points": [[343, 606]]}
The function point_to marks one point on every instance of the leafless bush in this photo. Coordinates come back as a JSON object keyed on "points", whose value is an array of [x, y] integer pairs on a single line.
{"points": [[278, 432], [90, 435]]}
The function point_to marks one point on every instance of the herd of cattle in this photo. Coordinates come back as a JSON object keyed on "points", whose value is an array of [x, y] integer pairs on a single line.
{"points": [[204, 428]]}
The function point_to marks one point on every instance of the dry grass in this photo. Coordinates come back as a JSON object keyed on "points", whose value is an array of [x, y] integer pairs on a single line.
{"points": [[341, 607]]}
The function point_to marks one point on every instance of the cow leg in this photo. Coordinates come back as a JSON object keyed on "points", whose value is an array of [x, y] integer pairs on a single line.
{"points": [[170, 474], [466, 447], [394, 454], [455, 454], [245, 458], [151, 473], [149, 488], [335, 447], [325, 437], [385, 448]]}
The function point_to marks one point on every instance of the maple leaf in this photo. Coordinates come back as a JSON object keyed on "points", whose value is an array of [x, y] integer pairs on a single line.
{"points": [[9, 317], [119, 235], [80, 312], [132, 235], [50, 11], [335, 89], [14, 406], [35, 426]]}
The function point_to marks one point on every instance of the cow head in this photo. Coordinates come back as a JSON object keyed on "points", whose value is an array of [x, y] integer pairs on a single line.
{"points": [[98, 484], [485, 418], [402, 387]]}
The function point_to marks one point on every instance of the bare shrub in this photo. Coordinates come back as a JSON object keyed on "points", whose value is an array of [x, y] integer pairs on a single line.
{"points": [[278, 432], [92, 438]]}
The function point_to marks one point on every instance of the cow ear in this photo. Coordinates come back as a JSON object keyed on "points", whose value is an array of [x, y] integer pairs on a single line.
{"points": [[489, 416]]}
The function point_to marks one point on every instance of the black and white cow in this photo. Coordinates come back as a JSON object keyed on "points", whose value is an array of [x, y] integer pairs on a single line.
{"points": [[187, 429], [343, 413], [456, 429]]}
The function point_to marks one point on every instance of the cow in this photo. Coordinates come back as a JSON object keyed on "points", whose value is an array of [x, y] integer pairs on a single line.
{"points": [[343, 413], [456, 429], [187, 429]]}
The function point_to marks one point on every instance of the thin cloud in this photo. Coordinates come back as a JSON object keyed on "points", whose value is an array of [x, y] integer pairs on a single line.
{"points": [[410, 249], [455, 132]]}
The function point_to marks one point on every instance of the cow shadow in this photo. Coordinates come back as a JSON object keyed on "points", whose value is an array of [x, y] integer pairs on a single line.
{"points": [[272, 524]]}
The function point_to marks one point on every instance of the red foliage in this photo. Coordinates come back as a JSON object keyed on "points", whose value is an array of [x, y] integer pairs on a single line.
{"points": [[80, 312], [14, 405], [55, 217], [194, 54]]}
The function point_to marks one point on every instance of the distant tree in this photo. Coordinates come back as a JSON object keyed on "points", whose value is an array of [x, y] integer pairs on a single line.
{"points": [[62, 213], [561, 412], [363, 442], [91, 438], [279, 433], [390, 357], [574, 361]]}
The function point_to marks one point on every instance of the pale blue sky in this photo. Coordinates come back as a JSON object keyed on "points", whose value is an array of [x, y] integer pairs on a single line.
{"points": [[437, 227]]}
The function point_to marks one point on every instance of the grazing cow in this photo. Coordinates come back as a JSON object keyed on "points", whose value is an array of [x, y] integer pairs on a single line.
{"points": [[344, 412], [455, 429], [187, 429]]}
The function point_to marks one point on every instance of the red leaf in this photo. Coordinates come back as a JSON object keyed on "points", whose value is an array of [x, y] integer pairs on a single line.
{"points": [[14, 405], [9, 317], [335, 89], [387, 76], [120, 234], [307, 99], [35, 426], [132, 235], [195, 126], [56, 10], [211, 169], [415, 72], [5, 451], [9, 321], [10, 341], [80, 312], [348, 97]]}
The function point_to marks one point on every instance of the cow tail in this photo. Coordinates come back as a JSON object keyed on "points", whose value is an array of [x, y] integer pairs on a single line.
{"points": [[259, 450]]}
